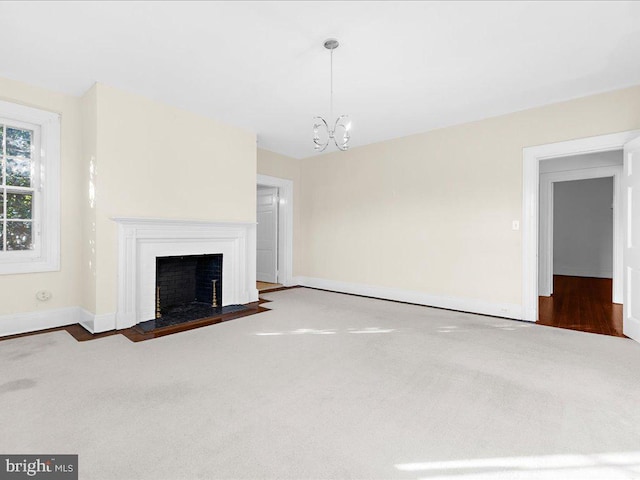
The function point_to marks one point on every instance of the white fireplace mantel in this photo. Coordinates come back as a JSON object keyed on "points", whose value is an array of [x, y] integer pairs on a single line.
{"points": [[141, 240]]}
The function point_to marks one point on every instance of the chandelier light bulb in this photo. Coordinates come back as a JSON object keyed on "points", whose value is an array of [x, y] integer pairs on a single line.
{"points": [[341, 127]]}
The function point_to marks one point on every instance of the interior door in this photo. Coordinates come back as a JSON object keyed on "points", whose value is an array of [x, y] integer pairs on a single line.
{"points": [[631, 261], [267, 235]]}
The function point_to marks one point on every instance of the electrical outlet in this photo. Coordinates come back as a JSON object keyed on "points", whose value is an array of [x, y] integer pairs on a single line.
{"points": [[515, 225], [43, 295]]}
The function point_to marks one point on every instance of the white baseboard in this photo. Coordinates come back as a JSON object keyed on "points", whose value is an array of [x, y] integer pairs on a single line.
{"points": [[33, 321], [253, 296], [86, 320], [632, 329], [97, 323], [507, 310], [290, 282], [42, 320], [582, 272]]}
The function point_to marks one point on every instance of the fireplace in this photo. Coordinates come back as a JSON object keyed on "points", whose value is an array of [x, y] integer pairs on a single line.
{"points": [[143, 240], [187, 283], [188, 287]]}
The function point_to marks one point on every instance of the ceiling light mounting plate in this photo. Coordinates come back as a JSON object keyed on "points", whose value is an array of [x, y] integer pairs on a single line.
{"points": [[331, 44]]}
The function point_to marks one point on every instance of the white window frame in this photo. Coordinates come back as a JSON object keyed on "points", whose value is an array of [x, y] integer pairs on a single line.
{"points": [[45, 255]]}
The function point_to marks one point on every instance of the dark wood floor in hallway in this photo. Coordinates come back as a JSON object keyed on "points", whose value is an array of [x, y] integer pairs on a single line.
{"points": [[581, 303]]}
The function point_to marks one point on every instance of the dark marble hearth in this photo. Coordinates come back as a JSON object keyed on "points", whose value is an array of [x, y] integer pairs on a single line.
{"points": [[188, 313]]}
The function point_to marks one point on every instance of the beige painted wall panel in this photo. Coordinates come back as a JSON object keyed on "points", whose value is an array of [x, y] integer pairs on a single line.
{"points": [[281, 166], [17, 292], [432, 212], [158, 161]]}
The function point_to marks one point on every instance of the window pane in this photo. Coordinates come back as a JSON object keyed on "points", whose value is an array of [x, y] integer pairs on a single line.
{"points": [[19, 236], [18, 142], [1, 138], [1, 170], [19, 205], [19, 172], [1, 206]]}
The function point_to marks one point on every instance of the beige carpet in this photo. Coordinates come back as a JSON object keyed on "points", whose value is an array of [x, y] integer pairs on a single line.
{"points": [[330, 386]]}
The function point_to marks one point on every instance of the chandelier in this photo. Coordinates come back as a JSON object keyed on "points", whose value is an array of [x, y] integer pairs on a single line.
{"points": [[322, 133]]}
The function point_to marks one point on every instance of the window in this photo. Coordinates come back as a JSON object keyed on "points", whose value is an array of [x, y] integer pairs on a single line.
{"points": [[29, 189], [19, 161]]}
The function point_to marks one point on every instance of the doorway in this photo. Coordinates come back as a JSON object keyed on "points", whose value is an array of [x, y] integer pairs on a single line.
{"points": [[581, 181], [532, 158], [274, 232], [579, 244]]}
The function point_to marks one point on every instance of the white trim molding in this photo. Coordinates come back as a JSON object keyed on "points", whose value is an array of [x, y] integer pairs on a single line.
{"points": [[15, 324], [141, 240], [572, 271], [285, 226], [42, 320], [531, 157], [97, 323], [470, 305]]}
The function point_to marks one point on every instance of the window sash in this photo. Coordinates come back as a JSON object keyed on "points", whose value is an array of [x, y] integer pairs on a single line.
{"points": [[35, 190]]}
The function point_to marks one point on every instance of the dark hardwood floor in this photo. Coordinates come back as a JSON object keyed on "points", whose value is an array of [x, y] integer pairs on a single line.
{"points": [[581, 303]]}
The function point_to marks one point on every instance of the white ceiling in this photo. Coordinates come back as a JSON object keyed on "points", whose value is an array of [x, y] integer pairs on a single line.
{"points": [[402, 67]]}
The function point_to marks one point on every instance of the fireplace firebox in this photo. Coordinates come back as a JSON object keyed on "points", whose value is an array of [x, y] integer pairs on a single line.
{"points": [[184, 281], [188, 287]]}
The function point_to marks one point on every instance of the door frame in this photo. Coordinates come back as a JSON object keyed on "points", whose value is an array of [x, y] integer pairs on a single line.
{"points": [[545, 273], [531, 157], [285, 225]]}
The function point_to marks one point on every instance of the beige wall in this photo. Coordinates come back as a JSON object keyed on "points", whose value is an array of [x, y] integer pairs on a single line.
{"points": [[281, 166], [432, 212], [17, 292], [154, 160]]}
